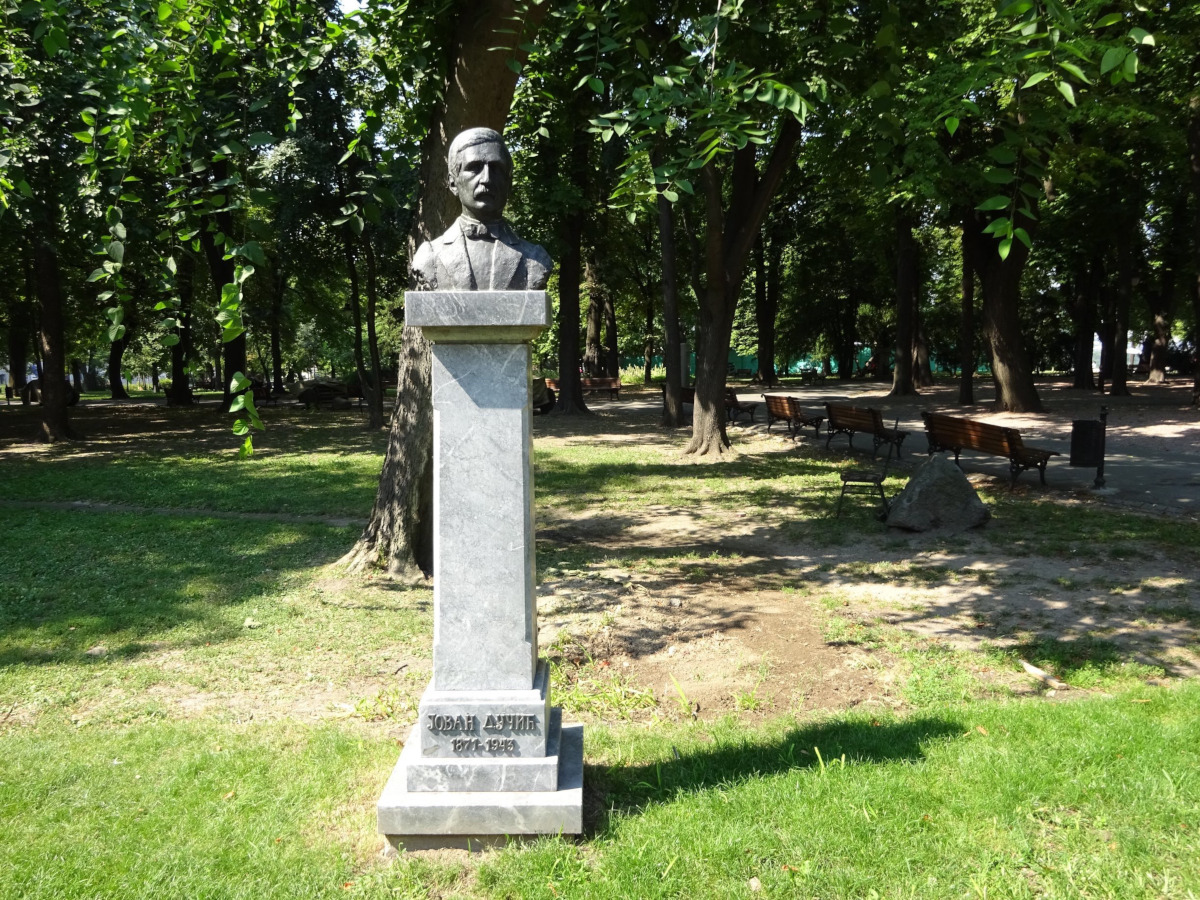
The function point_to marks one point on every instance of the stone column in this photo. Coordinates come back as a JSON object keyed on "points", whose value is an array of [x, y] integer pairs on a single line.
{"points": [[488, 757]]}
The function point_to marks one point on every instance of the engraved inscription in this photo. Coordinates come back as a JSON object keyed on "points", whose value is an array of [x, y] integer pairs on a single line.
{"points": [[511, 722], [441, 724], [491, 745]]}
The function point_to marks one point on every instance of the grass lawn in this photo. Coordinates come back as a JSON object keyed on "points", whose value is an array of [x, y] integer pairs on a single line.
{"points": [[196, 702]]}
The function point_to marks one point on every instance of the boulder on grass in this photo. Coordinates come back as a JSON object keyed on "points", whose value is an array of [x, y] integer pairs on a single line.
{"points": [[938, 496]]}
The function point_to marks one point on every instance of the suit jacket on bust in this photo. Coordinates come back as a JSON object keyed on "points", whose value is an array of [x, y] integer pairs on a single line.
{"points": [[444, 264]]}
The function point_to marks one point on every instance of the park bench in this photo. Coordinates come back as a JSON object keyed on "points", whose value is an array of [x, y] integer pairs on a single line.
{"points": [[687, 397], [735, 407], [610, 386], [782, 408], [849, 420], [953, 433]]}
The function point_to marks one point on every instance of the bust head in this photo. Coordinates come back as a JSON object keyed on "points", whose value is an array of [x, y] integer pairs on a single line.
{"points": [[480, 169]]}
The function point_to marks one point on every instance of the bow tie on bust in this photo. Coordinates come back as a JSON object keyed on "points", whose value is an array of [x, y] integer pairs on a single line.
{"points": [[481, 230]]}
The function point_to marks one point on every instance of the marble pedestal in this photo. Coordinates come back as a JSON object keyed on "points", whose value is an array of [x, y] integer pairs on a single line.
{"points": [[489, 756]]}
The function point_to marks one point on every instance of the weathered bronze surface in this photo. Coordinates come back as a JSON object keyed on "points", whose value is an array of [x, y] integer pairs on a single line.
{"points": [[480, 251]]}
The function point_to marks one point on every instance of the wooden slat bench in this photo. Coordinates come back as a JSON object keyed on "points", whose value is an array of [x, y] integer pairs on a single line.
{"points": [[735, 407], [782, 408], [947, 433], [849, 420], [610, 386]]}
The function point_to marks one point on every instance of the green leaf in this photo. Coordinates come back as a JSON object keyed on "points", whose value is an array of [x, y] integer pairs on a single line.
{"points": [[97, 274], [671, 196], [1074, 70], [999, 176], [116, 251], [596, 84], [1005, 248], [663, 81], [951, 124], [238, 383], [1110, 19], [238, 404], [994, 203], [84, 137], [247, 448], [1023, 235], [1035, 78], [642, 48], [116, 332], [241, 427], [1112, 58], [1141, 36], [164, 11], [170, 340], [1067, 91], [998, 226], [253, 251]]}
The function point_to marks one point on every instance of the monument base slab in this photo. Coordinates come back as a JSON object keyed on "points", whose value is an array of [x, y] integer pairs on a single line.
{"points": [[422, 819]]}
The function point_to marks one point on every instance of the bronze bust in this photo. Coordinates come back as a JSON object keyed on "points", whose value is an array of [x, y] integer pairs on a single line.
{"points": [[480, 251]]}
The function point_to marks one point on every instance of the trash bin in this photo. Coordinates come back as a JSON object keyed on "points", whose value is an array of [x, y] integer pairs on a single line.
{"points": [[1087, 443]]}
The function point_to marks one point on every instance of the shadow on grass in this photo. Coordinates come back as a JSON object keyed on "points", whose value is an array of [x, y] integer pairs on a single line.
{"points": [[136, 583], [629, 789]]}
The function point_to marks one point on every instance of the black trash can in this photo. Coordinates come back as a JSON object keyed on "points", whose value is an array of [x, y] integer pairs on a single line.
{"points": [[1087, 443]]}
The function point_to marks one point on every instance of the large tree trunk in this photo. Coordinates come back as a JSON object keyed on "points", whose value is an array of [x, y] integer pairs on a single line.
{"points": [[672, 363], [478, 92], [1000, 281], [648, 342], [730, 235], [56, 424], [116, 356], [595, 317], [906, 305], [180, 393]]}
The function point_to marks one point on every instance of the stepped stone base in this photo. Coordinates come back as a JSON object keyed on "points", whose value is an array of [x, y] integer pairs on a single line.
{"points": [[421, 819]]}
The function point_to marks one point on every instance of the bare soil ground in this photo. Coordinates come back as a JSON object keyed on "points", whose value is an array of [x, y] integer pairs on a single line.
{"points": [[746, 621]]}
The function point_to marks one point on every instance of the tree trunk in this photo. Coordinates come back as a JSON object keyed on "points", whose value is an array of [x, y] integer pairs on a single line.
{"points": [[375, 399], [1194, 152], [594, 319], [672, 363], [1123, 301], [612, 356], [648, 346], [570, 390], [180, 393], [1000, 282], [730, 235], [1083, 313], [221, 273], [365, 387], [477, 92], [906, 305], [922, 367], [278, 289], [766, 305], [56, 424], [116, 355], [18, 344]]}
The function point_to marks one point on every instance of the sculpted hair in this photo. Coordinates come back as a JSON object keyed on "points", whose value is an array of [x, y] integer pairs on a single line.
{"points": [[470, 138]]}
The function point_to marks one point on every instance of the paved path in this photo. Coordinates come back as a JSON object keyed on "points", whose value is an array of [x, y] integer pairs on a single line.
{"points": [[1152, 458]]}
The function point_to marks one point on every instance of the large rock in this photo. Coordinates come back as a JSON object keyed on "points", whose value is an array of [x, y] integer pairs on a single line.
{"points": [[938, 496]]}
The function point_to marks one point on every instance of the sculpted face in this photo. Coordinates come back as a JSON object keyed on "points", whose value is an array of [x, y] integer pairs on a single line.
{"points": [[482, 181]]}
